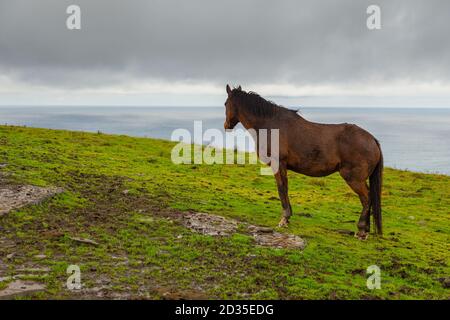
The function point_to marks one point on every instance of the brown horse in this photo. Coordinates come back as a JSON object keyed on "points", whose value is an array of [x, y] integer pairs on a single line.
{"points": [[316, 150]]}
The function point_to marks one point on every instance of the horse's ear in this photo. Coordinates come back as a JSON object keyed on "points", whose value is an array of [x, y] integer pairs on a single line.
{"points": [[228, 89], [239, 88]]}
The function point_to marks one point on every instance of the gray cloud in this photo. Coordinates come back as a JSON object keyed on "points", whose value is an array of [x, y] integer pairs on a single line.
{"points": [[246, 41]]}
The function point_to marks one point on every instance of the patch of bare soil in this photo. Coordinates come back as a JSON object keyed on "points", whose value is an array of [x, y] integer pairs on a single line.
{"points": [[270, 238], [20, 288], [17, 196], [209, 224], [214, 225]]}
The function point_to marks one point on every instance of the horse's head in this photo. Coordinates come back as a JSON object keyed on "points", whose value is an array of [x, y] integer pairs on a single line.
{"points": [[231, 110]]}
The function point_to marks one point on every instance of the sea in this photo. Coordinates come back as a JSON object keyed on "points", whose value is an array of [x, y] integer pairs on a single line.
{"points": [[415, 139]]}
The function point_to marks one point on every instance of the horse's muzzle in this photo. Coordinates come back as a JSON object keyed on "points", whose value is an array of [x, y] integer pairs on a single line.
{"points": [[228, 125]]}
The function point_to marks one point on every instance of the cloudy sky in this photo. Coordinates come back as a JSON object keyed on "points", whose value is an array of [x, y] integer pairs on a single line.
{"points": [[177, 52]]}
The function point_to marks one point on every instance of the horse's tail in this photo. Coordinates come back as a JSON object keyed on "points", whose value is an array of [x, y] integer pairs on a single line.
{"points": [[375, 181]]}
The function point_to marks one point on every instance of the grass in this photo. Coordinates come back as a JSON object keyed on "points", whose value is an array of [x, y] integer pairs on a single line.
{"points": [[120, 191]]}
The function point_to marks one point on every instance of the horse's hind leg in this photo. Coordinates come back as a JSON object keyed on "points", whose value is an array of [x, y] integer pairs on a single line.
{"points": [[282, 184], [361, 188]]}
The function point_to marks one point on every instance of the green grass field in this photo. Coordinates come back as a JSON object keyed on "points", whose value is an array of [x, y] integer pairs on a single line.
{"points": [[121, 191]]}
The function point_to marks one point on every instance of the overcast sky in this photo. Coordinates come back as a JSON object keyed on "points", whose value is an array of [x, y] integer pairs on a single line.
{"points": [[178, 52]]}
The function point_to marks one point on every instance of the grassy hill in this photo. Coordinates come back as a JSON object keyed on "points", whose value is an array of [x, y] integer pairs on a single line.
{"points": [[122, 192]]}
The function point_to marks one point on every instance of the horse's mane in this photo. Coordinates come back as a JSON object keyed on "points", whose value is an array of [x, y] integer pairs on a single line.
{"points": [[257, 105]]}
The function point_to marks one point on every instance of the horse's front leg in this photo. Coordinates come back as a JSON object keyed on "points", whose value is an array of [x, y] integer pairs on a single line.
{"points": [[282, 184]]}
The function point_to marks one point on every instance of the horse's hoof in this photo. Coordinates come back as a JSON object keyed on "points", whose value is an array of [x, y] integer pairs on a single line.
{"points": [[283, 223], [362, 235]]}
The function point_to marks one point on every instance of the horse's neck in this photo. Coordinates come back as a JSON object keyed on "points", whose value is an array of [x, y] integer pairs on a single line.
{"points": [[250, 121]]}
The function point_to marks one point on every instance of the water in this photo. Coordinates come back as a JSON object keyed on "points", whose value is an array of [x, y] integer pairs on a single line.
{"points": [[413, 139]]}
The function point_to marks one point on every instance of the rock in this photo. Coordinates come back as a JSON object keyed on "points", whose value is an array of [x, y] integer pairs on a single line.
{"points": [[213, 225], [21, 287], [279, 240], [81, 240], [40, 256], [17, 196], [209, 224]]}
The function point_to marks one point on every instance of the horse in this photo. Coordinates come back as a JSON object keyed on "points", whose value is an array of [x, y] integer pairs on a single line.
{"points": [[314, 149]]}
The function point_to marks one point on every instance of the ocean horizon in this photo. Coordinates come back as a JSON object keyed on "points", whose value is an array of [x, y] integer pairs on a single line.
{"points": [[415, 139]]}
